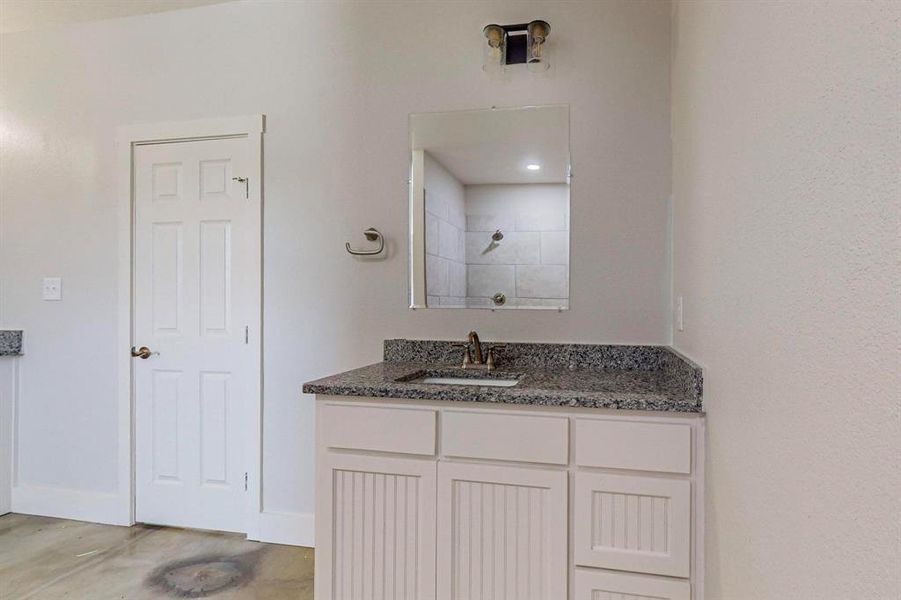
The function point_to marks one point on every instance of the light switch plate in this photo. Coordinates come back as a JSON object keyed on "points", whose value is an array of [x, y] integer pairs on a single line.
{"points": [[53, 288]]}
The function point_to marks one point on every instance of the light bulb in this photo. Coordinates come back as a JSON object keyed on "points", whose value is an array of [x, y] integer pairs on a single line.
{"points": [[536, 56], [495, 50]]}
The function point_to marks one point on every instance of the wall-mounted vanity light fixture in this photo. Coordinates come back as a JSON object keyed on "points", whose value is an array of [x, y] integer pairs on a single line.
{"points": [[517, 44]]}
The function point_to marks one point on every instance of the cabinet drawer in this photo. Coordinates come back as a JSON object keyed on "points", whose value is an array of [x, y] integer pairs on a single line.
{"points": [[632, 523], [408, 431], [601, 585], [521, 438], [632, 445]]}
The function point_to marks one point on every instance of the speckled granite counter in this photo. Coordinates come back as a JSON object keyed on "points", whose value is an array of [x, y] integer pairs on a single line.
{"points": [[578, 375], [10, 343]]}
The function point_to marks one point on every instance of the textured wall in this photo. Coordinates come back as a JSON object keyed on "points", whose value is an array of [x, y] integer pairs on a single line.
{"points": [[787, 248], [337, 81]]}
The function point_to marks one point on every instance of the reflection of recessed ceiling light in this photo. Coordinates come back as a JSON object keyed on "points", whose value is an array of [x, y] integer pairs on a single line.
{"points": [[533, 167]]}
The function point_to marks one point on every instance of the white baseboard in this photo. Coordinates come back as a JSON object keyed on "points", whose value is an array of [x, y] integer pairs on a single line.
{"points": [[78, 505], [292, 529]]}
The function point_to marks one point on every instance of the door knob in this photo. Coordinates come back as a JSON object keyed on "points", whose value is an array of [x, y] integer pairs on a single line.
{"points": [[142, 352]]}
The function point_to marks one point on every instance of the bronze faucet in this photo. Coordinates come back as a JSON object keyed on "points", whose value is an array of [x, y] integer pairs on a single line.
{"points": [[478, 363], [474, 341]]}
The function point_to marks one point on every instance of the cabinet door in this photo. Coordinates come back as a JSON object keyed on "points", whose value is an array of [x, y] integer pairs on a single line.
{"points": [[375, 528], [632, 523], [501, 533], [601, 585]]}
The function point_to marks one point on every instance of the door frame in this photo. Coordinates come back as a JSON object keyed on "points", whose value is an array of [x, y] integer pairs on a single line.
{"points": [[129, 137]]}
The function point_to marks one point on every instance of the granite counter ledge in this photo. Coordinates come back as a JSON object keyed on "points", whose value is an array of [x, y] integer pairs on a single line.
{"points": [[654, 378], [588, 388], [10, 342]]}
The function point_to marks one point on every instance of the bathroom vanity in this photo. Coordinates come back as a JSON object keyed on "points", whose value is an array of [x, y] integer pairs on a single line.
{"points": [[583, 479], [458, 471]]}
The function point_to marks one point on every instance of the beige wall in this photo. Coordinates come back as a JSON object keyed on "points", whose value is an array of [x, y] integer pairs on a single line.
{"points": [[787, 252], [337, 81]]}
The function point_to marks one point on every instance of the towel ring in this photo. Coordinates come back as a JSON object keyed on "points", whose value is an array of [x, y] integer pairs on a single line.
{"points": [[372, 234]]}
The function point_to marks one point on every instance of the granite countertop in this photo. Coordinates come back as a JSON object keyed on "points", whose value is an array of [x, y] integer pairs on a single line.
{"points": [[10, 342], [650, 378]]}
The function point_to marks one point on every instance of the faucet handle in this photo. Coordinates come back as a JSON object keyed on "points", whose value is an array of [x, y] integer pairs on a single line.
{"points": [[490, 360], [467, 356]]}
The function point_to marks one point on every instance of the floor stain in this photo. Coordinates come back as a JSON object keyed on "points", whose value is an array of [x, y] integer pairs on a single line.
{"points": [[202, 576], [54, 559]]}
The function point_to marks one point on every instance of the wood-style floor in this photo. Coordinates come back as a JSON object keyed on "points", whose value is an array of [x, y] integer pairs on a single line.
{"points": [[46, 559]]}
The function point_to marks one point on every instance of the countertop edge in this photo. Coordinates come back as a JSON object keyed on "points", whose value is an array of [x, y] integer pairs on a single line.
{"points": [[636, 404], [619, 400], [11, 342]]}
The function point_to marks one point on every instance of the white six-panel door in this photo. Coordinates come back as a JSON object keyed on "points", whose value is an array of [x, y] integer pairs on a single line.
{"points": [[196, 306]]}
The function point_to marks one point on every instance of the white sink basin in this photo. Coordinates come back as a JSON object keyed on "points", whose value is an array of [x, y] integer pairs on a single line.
{"points": [[467, 381]]}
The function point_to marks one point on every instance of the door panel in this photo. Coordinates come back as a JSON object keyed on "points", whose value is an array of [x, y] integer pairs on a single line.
{"points": [[602, 585], [166, 181], [633, 523], [215, 176], [196, 288], [165, 393], [380, 540], [501, 533], [166, 278], [215, 278], [214, 411]]}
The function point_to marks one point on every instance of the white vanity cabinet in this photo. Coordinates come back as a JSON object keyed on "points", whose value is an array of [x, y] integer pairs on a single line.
{"points": [[426, 500]]}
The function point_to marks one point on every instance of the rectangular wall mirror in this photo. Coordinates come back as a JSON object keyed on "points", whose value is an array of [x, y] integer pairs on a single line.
{"points": [[489, 208]]}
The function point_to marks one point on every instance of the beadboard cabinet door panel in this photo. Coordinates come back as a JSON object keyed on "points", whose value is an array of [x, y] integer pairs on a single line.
{"points": [[375, 528], [601, 585], [633, 523], [502, 533]]}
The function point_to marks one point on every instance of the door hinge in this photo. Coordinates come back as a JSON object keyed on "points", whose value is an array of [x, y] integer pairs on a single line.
{"points": [[245, 482], [246, 334]]}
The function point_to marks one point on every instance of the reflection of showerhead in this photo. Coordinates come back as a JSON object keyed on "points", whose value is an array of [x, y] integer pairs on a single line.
{"points": [[497, 236]]}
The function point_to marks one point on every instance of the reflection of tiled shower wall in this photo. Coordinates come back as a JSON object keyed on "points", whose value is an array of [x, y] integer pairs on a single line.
{"points": [[445, 224], [530, 265]]}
